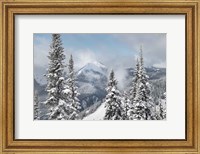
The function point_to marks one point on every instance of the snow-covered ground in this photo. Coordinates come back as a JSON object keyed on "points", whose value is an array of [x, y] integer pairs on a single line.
{"points": [[98, 114]]}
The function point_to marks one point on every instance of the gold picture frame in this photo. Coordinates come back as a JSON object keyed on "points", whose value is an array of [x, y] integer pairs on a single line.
{"points": [[9, 8]]}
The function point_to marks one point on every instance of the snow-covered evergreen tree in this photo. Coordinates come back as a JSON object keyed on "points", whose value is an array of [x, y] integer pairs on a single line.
{"points": [[125, 104], [55, 80], [135, 81], [160, 109], [36, 106], [133, 91], [162, 112], [162, 106], [113, 100], [140, 106], [73, 105], [145, 88], [137, 108]]}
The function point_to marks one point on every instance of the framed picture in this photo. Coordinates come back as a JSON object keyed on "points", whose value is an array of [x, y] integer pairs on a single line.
{"points": [[98, 86], [100, 76]]}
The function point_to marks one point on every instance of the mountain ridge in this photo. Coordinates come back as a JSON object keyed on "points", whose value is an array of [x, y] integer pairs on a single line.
{"points": [[92, 80]]}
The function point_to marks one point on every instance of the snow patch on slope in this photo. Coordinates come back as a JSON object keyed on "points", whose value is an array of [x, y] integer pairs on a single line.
{"points": [[98, 114]]}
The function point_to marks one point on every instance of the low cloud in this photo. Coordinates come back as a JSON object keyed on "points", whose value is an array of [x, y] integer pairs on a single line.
{"points": [[119, 54], [82, 57], [120, 74], [153, 44]]}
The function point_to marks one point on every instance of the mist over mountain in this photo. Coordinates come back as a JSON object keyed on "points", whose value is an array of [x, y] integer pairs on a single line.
{"points": [[92, 80]]}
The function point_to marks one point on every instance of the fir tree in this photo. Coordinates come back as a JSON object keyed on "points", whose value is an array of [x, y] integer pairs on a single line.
{"points": [[73, 105], [133, 90], [113, 101], [140, 106], [162, 107], [55, 80], [135, 82], [36, 106], [125, 103], [134, 93], [137, 108], [145, 88]]}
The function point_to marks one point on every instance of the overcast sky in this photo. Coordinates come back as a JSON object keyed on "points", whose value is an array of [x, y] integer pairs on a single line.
{"points": [[116, 51]]}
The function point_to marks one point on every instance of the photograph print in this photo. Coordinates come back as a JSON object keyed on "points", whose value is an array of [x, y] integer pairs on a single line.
{"points": [[96, 76]]}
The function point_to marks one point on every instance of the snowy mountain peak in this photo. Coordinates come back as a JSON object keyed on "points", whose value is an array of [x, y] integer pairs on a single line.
{"points": [[98, 64], [92, 80], [93, 66]]}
